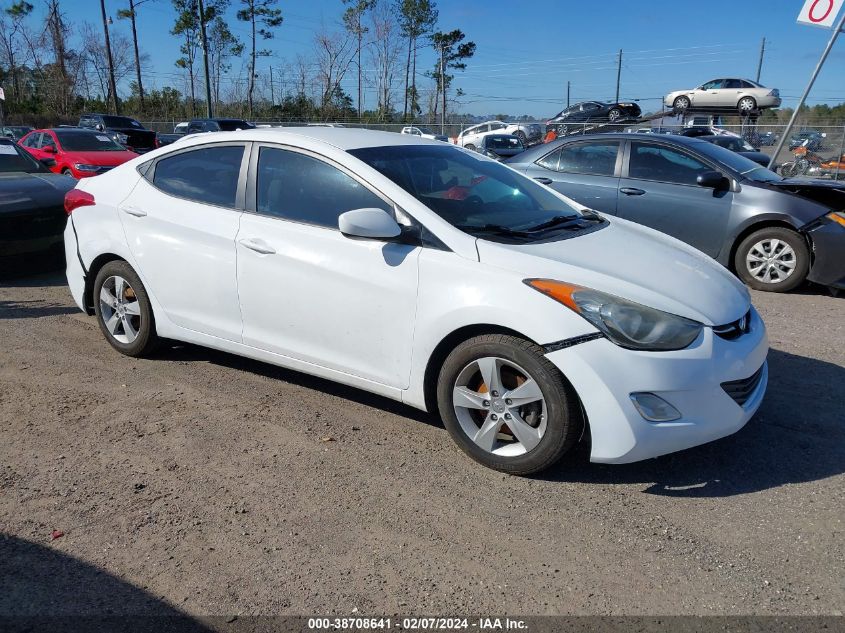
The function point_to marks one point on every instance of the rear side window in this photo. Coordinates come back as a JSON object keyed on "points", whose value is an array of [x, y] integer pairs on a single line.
{"points": [[208, 175], [664, 164], [300, 188], [597, 158]]}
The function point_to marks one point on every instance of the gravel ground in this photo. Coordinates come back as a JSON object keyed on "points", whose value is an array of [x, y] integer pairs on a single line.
{"points": [[211, 484]]}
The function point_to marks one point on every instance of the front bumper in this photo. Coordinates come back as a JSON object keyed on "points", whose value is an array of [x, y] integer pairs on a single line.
{"points": [[604, 375], [828, 268]]}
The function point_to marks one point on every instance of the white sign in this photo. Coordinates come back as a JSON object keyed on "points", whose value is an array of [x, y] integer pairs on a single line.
{"points": [[820, 12]]}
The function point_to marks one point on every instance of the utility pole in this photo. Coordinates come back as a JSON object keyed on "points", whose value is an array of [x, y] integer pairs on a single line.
{"points": [[272, 92], [760, 63], [567, 94], [112, 85], [618, 74], [836, 31], [137, 55], [443, 90], [208, 108]]}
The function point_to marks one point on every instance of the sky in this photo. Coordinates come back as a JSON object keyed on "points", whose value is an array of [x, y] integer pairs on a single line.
{"points": [[527, 50]]}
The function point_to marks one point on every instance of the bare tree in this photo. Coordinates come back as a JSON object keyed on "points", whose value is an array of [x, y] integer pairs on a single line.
{"points": [[130, 14], [417, 19], [353, 20], [187, 25], [11, 27], [384, 53], [222, 46], [333, 56], [94, 53]]}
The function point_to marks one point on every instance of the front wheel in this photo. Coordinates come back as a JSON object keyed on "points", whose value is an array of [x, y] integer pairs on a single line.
{"points": [[506, 405], [470, 147], [681, 104], [788, 170], [773, 259], [123, 310], [522, 138], [614, 114]]}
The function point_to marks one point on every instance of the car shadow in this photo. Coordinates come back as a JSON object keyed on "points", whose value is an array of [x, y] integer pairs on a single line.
{"points": [[32, 309], [796, 436], [187, 352], [47, 590]]}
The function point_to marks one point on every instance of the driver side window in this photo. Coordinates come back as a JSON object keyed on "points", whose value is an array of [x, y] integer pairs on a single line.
{"points": [[664, 164]]}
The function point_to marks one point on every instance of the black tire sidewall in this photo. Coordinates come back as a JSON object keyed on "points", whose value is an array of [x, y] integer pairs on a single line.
{"points": [[680, 100], [147, 339], [789, 236], [563, 420]]}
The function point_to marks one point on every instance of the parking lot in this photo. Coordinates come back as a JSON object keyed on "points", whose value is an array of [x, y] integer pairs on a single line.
{"points": [[213, 484]]}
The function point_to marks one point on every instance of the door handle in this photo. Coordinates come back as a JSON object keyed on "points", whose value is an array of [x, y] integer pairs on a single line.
{"points": [[134, 211], [631, 191], [545, 181], [259, 246]]}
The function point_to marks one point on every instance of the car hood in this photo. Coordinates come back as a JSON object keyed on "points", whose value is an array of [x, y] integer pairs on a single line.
{"points": [[635, 263], [104, 159], [20, 191], [830, 193]]}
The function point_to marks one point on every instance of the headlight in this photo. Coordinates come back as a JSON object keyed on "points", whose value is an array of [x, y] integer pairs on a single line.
{"points": [[84, 167], [628, 324]]}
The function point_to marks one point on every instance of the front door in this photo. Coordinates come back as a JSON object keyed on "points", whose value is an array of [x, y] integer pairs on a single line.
{"points": [[181, 220], [309, 292], [661, 191]]}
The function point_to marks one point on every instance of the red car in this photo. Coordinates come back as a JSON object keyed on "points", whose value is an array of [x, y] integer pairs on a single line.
{"points": [[77, 152]]}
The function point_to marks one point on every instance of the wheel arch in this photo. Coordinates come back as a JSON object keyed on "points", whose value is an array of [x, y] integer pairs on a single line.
{"points": [[93, 270], [756, 226], [449, 343]]}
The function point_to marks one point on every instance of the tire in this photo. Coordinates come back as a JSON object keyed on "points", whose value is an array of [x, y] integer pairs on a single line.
{"points": [[130, 326], [614, 114], [771, 241], [67, 172], [522, 138], [550, 423], [788, 170], [470, 147], [681, 104], [746, 105]]}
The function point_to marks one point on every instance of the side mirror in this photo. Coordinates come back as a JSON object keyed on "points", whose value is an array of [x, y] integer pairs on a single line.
{"points": [[49, 149], [48, 162], [372, 223], [711, 180], [100, 127]]}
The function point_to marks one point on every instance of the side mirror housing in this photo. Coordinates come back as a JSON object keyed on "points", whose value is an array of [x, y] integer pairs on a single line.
{"points": [[712, 180], [374, 224], [49, 149]]}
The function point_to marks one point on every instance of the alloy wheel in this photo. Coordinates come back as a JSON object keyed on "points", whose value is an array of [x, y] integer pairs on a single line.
{"points": [[120, 310], [746, 104], [771, 260], [499, 406]]}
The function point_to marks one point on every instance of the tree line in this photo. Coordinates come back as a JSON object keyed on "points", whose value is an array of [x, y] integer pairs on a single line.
{"points": [[53, 69]]}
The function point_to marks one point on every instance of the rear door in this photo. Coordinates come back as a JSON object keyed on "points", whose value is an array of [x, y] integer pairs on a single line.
{"points": [[586, 171], [181, 220], [658, 188]]}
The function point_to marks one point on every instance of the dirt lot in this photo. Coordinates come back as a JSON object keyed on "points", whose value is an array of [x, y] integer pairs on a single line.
{"points": [[203, 482]]}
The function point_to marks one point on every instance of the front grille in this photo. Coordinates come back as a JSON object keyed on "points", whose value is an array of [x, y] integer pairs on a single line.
{"points": [[741, 390], [735, 329]]}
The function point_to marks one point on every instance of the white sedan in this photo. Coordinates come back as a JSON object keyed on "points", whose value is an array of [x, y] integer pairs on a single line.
{"points": [[428, 274], [743, 95], [424, 132]]}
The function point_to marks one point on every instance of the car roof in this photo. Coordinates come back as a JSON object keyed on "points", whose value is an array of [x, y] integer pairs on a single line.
{"points": [[539, 150], [341, 138]]}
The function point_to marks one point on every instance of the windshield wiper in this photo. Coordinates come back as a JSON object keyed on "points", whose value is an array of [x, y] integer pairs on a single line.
{"points": [[495, 229], [566, 221]]}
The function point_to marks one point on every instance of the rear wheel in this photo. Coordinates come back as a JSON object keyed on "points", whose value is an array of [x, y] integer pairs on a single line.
{"points": [[470, 147], [746, 105], [522, 138], [123, 310], [773, 259], [614, 114], [681, 104], [506, 405]]}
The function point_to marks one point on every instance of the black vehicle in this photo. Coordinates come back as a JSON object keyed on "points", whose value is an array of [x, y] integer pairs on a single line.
{"points": [[122, 129], [814, 140], [500, 146], [32, 215], [593, 112], [15, 132], [738, 145], [218, 125], [772, 232]]}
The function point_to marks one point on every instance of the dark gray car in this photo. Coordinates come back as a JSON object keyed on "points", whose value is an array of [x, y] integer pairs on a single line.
{"points": [[772, 232]]}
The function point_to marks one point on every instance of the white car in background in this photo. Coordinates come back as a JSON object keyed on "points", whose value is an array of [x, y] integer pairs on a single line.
{"points": [[528, 133], [424, 132], [743, 95], [428, 274]]}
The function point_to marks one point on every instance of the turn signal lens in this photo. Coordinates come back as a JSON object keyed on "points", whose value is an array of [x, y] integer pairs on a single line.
{"points": [[557, 290], [76, 198], [837, 216]]}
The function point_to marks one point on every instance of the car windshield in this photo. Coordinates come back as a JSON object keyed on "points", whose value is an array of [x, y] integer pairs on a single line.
{"points": [[125, 122], [475, 194], [80, 141], [743, 166], [13, 158], [231, 125]]}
